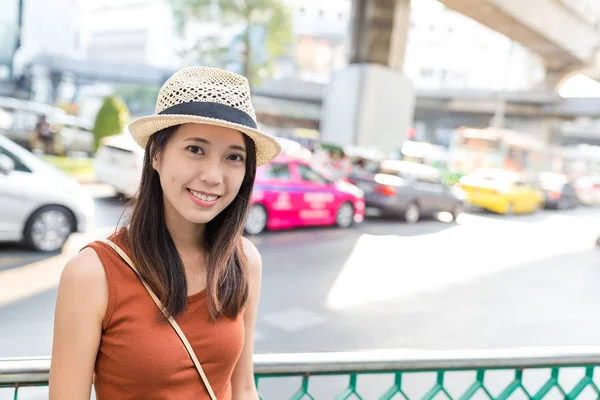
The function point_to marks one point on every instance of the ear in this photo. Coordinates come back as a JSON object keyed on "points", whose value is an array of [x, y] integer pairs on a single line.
{"points": [[155, 161], [155, 158]]}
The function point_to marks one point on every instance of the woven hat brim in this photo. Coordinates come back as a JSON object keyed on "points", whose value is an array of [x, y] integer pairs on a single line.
{"points": [[267, 147]]}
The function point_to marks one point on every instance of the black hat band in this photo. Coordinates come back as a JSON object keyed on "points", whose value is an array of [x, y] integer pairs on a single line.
{"points": [[213, 110]]}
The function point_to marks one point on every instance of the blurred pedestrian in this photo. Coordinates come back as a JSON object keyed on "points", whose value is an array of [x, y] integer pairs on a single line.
{"points": [[321, 160], [44, 134], [184, 238], [340, 165], [359, 168]]}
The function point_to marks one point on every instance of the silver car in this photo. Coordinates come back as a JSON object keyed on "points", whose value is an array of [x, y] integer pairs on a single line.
{"points": [[407, 189], [39, 204]]}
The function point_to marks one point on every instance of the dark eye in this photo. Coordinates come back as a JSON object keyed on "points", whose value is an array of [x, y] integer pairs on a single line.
{"points": [[195, 149], [236, 157]]}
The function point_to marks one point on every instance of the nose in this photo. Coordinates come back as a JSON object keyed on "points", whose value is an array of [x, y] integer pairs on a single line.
{"points": [[211, 173]]}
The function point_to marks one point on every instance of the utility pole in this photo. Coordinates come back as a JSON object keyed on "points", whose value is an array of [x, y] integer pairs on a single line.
{"points": [[18, 41]]}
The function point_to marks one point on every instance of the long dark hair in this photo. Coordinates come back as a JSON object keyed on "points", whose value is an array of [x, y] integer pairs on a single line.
{"points": [[157, 258]]}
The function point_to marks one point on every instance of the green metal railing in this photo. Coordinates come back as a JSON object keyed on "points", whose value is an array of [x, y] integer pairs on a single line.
{"points": [[533, 373]]}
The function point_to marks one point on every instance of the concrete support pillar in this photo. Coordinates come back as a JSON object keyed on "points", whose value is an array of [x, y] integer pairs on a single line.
{"points": [[371, 102], [379, 31]]}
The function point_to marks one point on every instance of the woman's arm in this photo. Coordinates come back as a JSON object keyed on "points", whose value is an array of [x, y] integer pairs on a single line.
{"points": [[80, 306], [242, 381]]}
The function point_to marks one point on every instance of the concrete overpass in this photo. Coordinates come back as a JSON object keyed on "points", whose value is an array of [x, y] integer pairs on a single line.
{"points": [[298, 104], [288, 94], [92, 71], [381, 100], [564, 33]]}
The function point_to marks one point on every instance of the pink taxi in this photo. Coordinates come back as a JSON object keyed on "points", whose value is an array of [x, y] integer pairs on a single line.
{"points": [[288, 193]]}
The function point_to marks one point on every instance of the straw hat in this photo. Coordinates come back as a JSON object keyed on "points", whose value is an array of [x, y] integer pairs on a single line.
{"points": [[206, 96]]}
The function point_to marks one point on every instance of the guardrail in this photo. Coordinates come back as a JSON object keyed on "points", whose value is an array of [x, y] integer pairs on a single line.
{"points": [[495, 374]]}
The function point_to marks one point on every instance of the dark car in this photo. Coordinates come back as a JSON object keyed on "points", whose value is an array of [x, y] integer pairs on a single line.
{"points": [[559, 194], [408, 190]]}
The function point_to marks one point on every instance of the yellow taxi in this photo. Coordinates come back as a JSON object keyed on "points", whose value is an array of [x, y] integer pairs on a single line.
{"points": [[502, 192]]}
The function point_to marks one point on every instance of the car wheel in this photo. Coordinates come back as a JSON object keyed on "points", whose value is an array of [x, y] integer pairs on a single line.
{"points": [[412, 213], [49, 228], [257, 219], [345, 216], [458, 209]]}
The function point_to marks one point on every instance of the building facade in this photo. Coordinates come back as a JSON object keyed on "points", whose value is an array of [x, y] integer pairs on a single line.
{"points": [[138, 32]]}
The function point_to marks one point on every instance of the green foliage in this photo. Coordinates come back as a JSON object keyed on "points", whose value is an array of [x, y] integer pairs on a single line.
{"points": [[270, 16], [111, 119]]}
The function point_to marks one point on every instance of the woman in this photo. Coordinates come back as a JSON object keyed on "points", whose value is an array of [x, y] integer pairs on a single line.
{"points": [[184, 238]]}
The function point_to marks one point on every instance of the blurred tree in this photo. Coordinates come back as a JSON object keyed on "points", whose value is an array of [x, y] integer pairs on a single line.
{"points": [[111, 119], [266, 25]]}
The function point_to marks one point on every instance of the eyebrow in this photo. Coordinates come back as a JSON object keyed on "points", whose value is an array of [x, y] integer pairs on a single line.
{"points": [[202, 140]]}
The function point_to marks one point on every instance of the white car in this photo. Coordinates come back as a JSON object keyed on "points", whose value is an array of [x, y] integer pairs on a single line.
{"points": [[588, 190], [119, 162], [39, 205]]}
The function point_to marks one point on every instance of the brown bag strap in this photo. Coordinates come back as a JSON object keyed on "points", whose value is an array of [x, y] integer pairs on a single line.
{"points": [[171, 320]]}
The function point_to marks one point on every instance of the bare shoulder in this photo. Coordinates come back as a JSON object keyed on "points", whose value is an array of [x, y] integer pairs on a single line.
{"points": [[84, 278], [85, 268], [253, 256]]}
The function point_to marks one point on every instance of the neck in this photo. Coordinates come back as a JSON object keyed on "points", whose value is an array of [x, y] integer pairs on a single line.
{"points": [[187, 236]]}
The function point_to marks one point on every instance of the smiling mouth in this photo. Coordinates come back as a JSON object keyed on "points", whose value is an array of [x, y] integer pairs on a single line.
{"points": [[204, 196]]}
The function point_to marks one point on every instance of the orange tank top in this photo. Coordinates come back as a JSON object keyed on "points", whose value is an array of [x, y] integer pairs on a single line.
{"points": [[141, 357]]}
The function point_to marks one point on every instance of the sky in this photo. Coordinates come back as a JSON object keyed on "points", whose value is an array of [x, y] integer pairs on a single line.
{"points": [[580, 86]]}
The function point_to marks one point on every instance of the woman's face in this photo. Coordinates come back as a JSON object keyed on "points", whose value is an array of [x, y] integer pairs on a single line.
{"points": [[201, 170]]}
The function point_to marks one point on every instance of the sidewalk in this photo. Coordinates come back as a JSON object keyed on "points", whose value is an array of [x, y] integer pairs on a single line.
{"points": [[84, 179]]}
